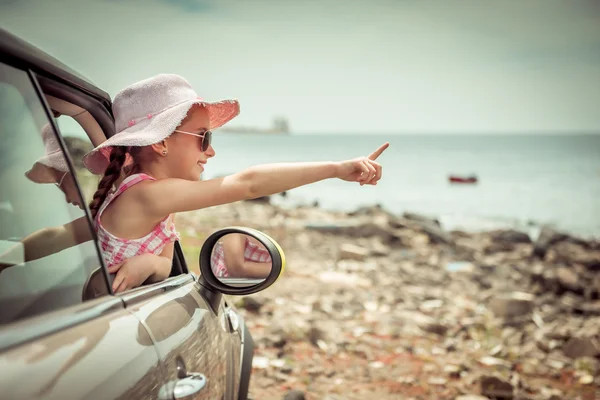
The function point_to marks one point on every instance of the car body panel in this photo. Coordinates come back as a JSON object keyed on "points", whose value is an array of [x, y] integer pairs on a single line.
{"points": [[107, 357], [187, 332]]}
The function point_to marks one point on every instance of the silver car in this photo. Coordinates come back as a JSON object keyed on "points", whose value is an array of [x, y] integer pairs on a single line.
{"points": [[63, 333]]}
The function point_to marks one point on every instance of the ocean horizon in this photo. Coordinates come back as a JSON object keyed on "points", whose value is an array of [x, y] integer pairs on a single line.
{"points": [[524, 180]]}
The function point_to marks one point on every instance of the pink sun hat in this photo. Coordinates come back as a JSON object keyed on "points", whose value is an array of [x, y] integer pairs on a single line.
{"points": [[41, 172], [148, 112]]}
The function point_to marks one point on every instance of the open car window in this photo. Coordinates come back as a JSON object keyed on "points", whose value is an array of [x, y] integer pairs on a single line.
{"points": [[37, 197]]}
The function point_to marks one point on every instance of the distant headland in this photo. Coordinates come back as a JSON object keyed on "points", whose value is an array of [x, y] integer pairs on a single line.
{"points": [[280, 126]]}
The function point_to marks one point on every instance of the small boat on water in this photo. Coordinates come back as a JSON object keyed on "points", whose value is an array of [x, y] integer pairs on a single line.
{"points": [[462, 179]]}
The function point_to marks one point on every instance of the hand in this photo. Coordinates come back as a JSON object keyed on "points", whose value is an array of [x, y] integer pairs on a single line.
{"points": [[363, 169], [134, 271]]}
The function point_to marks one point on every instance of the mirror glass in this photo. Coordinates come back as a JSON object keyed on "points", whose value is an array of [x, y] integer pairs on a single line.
{"points": [[240, 260]]}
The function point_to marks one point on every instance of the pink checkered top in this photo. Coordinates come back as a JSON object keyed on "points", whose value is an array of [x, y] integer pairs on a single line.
{"points": [[114, 249], [252, 252]]}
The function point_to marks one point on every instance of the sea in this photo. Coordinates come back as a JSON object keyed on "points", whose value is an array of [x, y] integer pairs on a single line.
{"points": [[524, 181]]}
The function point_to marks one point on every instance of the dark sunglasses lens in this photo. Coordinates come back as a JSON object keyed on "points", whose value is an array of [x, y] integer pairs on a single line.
{"points": [[206, 140]]}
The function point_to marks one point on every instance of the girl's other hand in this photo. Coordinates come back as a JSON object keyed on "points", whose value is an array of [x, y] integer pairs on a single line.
{"points": [[363, 170], [134, 271]]}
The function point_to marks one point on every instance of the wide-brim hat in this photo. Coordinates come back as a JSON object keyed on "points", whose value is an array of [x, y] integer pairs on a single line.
{"points": [[148, 112], [43, 170]]}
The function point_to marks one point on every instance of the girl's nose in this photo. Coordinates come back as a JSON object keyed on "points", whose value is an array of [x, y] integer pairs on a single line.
{"points": [[210, 152]]}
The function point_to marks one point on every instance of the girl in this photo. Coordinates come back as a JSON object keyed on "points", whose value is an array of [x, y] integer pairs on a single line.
{"points": [[162, 144]]}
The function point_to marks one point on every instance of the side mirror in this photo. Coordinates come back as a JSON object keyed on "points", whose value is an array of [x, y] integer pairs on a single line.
{"points": [[240, 261]]}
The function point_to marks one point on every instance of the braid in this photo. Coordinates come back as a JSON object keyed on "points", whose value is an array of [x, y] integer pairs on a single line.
{"points": [[118, 156]]}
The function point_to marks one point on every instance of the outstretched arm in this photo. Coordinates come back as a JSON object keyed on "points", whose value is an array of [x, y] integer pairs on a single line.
{"points": [[233, 251], [258, 181]]}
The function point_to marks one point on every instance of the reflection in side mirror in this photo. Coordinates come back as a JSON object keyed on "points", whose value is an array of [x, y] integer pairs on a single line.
{"points": [[240, 260]]}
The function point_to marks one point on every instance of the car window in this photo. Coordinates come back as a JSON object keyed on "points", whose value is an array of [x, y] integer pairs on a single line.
{"points": [[37, 197], [78, 144]]}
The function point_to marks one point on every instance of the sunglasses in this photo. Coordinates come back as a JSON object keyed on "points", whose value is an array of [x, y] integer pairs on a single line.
{"points": [[206, 138]]}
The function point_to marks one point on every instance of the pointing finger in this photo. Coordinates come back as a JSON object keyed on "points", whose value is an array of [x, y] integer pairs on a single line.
{"points": [[378, 152]]}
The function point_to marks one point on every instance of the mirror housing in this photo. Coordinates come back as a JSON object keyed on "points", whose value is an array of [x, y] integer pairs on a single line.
{"points": [[234, 286]]}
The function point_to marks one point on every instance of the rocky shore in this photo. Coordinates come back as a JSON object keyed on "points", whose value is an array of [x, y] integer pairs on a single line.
{"points": [[376, 305]]}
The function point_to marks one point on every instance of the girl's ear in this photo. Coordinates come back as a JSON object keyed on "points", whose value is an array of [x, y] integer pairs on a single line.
{"points": [[160, 148]]}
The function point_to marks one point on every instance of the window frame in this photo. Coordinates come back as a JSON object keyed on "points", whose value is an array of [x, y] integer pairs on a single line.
{"points": [[23, 331]]}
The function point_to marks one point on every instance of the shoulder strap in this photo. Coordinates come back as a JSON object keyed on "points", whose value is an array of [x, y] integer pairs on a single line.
{"points": [[126, 184], [132, 180]]}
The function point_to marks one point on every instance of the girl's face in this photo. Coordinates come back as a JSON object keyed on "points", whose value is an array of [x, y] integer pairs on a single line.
{"points": [[67, 185], [185, 157]]}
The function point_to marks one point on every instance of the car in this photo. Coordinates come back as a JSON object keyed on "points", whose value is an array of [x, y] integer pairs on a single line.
{"points": [[64, 334]]}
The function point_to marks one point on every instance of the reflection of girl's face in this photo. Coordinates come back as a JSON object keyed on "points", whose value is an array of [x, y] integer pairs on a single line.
{"points": [[67, 185]]}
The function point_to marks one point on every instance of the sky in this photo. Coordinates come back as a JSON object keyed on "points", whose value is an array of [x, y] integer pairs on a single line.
{"points": [[344, 66]]}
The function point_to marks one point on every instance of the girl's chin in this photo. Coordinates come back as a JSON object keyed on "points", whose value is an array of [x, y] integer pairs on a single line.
{"points": [[196, 173]]}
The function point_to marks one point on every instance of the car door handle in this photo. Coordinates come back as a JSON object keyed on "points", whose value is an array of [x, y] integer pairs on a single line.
{"points": [[184, 388], [189, 386]]}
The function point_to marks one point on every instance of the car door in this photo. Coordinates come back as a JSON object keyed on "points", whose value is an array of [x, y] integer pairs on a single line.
{"points": [[59, 339], [193, 341]]}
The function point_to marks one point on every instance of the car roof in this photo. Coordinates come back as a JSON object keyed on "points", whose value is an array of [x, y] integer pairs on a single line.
{"points": [[28, 56]]}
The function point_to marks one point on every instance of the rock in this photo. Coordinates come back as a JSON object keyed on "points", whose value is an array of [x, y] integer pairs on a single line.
{"points": [[436, 234], [430, 325], [495, 362], [260, 362], [277, 341], [510, 236], [343, 279], [421, 218], [497, 350], [572, 254], [471, 397], [586, 380], [546, 239], [352, 252], [450, 345], [353, 228], [578, 347], [588, 365], [370, 211], [431, 305], [252, 304], [294, 395], [379, 249], [495, 387], [592, 308], [499, 247], [288, 330], [568, 279], [511, 305], [316, 335], [452, 370], [551, 394], [437, 381], [457, 266]]}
